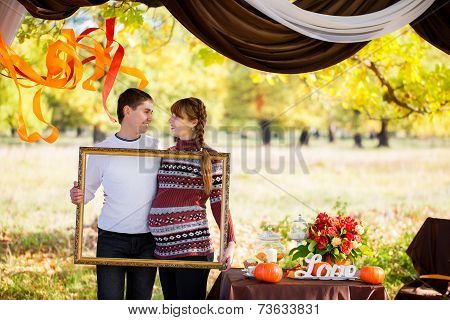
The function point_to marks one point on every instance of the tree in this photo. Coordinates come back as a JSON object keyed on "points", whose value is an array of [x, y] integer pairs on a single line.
{"points": [[393, 78]]}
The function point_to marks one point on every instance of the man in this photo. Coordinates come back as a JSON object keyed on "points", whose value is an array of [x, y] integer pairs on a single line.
{"points": [[129, 185]]}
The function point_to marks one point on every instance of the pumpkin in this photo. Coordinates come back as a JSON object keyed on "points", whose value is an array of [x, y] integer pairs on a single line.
{"points": [[331, 261], [268, 272], [316, 266], [373, 275]]}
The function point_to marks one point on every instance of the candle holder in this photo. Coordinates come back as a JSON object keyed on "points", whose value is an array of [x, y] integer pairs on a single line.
{"points": [[270, 248], [299, 229]]}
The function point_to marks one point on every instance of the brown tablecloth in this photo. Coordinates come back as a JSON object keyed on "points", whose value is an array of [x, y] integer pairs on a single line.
{"points": [[233, 285]]}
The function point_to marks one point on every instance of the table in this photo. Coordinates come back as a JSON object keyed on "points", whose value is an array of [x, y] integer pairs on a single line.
{"points": [[233, 285]]}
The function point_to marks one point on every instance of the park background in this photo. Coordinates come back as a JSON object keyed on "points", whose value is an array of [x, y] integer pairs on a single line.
{"points": [[322, 141]]}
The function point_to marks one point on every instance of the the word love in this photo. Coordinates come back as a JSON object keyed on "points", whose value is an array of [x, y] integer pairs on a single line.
{"points": [[331, 271]]}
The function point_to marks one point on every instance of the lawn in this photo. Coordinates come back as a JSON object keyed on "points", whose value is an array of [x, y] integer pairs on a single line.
{"points": [[393, 190]]}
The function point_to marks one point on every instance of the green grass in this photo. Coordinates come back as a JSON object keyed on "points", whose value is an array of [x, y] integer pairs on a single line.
{"points": [[40, 266], [392, 190]]}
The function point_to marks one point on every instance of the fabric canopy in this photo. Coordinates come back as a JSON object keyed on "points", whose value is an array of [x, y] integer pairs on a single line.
{"points": [[245, 35], [242, 33], [429, 250], [340, 29], [57, 9], [11, 15]]}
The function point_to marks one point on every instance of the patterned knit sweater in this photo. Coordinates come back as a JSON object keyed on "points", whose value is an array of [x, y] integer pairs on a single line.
{"points": [[177, 217]]}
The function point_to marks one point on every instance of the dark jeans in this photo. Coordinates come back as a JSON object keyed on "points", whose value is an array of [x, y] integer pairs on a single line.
{"points": [[185, 284], [111, 279]]}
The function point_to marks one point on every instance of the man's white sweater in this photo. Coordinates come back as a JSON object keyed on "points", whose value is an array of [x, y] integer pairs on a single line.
{"points": [[129, 184]]}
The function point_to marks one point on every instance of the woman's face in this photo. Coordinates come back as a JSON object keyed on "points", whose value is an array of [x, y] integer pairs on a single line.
{"points": [[182, 127]]}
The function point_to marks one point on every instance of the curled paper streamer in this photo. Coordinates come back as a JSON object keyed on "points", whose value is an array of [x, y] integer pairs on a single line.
{"points": [[65, 70]]}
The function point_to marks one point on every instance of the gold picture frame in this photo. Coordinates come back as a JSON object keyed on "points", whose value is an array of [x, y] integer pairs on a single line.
{"points": [[78, 242]]}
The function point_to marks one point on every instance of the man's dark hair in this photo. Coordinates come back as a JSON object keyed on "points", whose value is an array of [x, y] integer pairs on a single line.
{"points": [[131, 97]]}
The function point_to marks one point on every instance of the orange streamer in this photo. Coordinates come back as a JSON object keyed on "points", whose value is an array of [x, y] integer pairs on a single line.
{"points": [[67, 71]]}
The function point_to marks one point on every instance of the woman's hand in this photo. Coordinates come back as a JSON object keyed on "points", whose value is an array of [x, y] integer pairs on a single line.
{"points": [[228, 256]]}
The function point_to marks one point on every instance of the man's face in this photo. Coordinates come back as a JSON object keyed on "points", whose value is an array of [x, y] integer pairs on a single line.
{"points": [[140, 117]]}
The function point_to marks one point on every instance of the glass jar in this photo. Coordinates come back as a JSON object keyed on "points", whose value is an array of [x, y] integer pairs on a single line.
{"points": [[270, 248], [299, 229]]}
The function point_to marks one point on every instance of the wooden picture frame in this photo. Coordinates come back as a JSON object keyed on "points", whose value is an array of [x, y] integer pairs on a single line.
{"points": [[78, 245]]}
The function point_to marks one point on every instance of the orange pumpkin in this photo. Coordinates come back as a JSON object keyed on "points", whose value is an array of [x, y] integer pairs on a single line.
{"points": [[373, 275], [331, 261], [317, 265], [268, 272]]}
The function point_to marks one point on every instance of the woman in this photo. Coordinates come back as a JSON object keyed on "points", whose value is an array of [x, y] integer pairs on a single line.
{"points": [[177, 218]]}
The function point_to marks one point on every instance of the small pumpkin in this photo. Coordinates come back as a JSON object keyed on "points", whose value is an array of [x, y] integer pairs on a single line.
{"points": [[268, 272], [317, 265], [373, 275]]}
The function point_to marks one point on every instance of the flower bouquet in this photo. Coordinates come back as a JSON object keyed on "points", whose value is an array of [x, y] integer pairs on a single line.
{"points": [[338, 239]]}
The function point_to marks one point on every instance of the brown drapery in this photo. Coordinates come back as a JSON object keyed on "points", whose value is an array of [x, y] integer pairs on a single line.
{"points": [[56, 9], [430, 255], [236, 30], [430, 248], [435, 28], [243, 34]]}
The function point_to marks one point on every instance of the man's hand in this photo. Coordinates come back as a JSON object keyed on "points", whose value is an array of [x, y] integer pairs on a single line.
{"points": [[76, 195], [228, 256]]}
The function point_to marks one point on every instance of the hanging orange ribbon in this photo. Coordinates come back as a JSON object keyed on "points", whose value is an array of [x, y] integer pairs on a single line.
{"points": [[67, 72]]}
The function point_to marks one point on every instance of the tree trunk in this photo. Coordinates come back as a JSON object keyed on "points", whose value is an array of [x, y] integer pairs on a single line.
{"points": [[331, 130], [265, 131], [358, 140], [383, 135], [79, 131], [304, 137], [98, 134], [13, 132]]}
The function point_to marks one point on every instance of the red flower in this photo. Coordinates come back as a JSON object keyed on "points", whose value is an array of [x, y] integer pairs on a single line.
{"points": [[322, 216], [346, 247], [322, 242], [334, 222], [349, 236], [322, 219], [349, 224], [332, 232], [312, 231], [320, 227]]}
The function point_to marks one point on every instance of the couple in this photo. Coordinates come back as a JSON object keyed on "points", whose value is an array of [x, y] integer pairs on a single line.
{"points": [[142, 210]]}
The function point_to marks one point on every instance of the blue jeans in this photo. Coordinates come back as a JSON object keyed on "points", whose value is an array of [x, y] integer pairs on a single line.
{"points": [[111, 279]]}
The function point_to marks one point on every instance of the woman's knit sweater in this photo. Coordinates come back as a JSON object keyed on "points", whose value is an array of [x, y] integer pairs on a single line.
{"points": [[177, 217]]}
